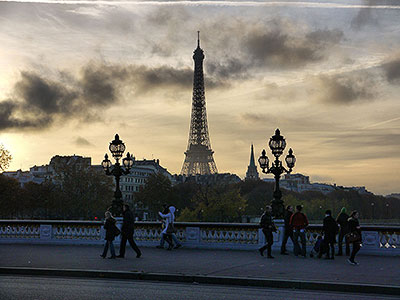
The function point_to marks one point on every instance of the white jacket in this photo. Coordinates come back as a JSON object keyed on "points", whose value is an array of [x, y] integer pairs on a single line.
{"points": [[169, 217]]}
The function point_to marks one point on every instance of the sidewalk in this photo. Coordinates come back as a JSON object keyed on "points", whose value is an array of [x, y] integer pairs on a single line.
{"points": [[376, 270]]}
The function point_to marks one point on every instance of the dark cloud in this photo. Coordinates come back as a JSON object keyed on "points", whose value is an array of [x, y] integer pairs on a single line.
{"points": [[38, 102], [281, 49], [80, 141], [275, 45], [392, 70], [345, 88]]}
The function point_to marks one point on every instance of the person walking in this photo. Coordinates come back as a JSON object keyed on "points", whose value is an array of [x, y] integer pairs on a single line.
{"points": [[299, 222], [288, 231], [127, 231], [268, 226], [354, 236], [172, 236], [330, 229], [111, 232], [342, 220], [169, 229]]}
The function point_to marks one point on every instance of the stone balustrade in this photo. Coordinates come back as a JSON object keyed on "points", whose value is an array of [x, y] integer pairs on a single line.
{"points": [[379, 240]]}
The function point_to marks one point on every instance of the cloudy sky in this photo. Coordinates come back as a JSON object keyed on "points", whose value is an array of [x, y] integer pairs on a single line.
{"points": [[327, 73]]}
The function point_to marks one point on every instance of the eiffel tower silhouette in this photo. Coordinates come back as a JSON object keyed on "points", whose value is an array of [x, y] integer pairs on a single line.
{"points": [[198, 156]]}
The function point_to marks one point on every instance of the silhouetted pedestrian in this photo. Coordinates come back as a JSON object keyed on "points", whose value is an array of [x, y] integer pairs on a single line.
{"points": [[288, 231], [268, 227], [127, 232], [299, 222], [342, 220], [354, 236], [111, 232], [330, 229]]}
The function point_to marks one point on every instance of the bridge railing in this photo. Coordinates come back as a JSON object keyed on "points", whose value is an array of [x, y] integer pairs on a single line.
{"points": [[380, 240]]}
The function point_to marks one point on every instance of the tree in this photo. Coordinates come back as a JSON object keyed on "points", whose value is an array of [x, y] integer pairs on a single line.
{"points": [[83, 192], [5, 158], [156, 192], [9, 197], [215, 204]]}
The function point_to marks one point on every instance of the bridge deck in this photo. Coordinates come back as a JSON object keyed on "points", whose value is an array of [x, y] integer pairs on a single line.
{"points": [[383, 270]]}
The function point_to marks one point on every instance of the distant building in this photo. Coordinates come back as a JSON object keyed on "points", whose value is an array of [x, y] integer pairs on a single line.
{"points": [[300, 183], [40, 174], [209, 179], [394, 195], [252, 173], [137, 177]]}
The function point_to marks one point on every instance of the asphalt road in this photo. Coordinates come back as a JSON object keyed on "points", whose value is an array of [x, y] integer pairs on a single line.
{"points": [[47, 288]]}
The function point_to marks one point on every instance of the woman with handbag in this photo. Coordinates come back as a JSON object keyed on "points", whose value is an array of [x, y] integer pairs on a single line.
{"points": [[169, 228], [111, 232], [354, 236]]}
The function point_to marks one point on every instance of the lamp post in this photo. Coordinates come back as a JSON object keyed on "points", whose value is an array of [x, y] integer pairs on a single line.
{"points": [[277, 144], [117, 148]]}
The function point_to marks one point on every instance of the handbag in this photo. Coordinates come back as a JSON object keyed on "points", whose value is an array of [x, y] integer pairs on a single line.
{"points": [[117, 232], [352, 237]]}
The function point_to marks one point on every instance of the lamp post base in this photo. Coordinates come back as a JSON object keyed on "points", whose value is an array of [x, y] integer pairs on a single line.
{"points": [[278, 208]]}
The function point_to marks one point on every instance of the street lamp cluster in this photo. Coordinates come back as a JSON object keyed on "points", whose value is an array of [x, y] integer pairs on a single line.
{"points": [[277, 144], [117, 149]]}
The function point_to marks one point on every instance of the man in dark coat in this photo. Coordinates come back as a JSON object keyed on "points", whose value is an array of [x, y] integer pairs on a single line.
{"points": [[330, 229], [268, 226], [127, 231], [342, 220], [288, 233]]}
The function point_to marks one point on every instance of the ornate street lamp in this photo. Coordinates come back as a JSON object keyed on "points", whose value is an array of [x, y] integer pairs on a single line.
{"points": [[117, 148], [277, 144]]}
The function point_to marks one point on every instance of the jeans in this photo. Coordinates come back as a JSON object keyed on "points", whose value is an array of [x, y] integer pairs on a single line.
{"points": [[342, 233], [297, 250], [356, 248], [288, 233], [174, 238], [269, 238], [111, 245]]}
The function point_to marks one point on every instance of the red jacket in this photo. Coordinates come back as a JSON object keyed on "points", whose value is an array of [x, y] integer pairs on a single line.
{"points": [[298, 221]]}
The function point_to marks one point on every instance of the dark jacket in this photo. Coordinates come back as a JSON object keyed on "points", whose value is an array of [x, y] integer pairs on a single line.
{"points": [[342, 220], [353, 224], [128, 222], [330, 228], [266, 222], [110, 228], [288, 215], [298, 221]]}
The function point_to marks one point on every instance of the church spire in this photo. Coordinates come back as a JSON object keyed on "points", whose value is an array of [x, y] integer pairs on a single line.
{"points": [[252, 163], [252, 173], [198, 39]]}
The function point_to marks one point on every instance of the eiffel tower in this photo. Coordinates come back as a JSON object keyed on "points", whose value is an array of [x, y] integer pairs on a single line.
{"points": [[199, 156]]}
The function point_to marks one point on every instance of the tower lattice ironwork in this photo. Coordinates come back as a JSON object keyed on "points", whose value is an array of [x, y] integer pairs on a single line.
{"points": [[198, 156]]}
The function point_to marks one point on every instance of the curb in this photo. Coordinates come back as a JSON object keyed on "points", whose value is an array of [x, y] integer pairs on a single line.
{"points": [[204, 279]]}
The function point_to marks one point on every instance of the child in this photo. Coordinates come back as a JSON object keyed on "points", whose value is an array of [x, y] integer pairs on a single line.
{"points": [[318, 247]]}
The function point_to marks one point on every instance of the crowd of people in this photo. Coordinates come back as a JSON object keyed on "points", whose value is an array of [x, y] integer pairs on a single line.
{"points": [[346, 227]]}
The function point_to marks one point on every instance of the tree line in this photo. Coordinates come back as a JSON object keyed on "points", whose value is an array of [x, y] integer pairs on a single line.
{"points": [[234, 202], [73, 193], [84, 194]]}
